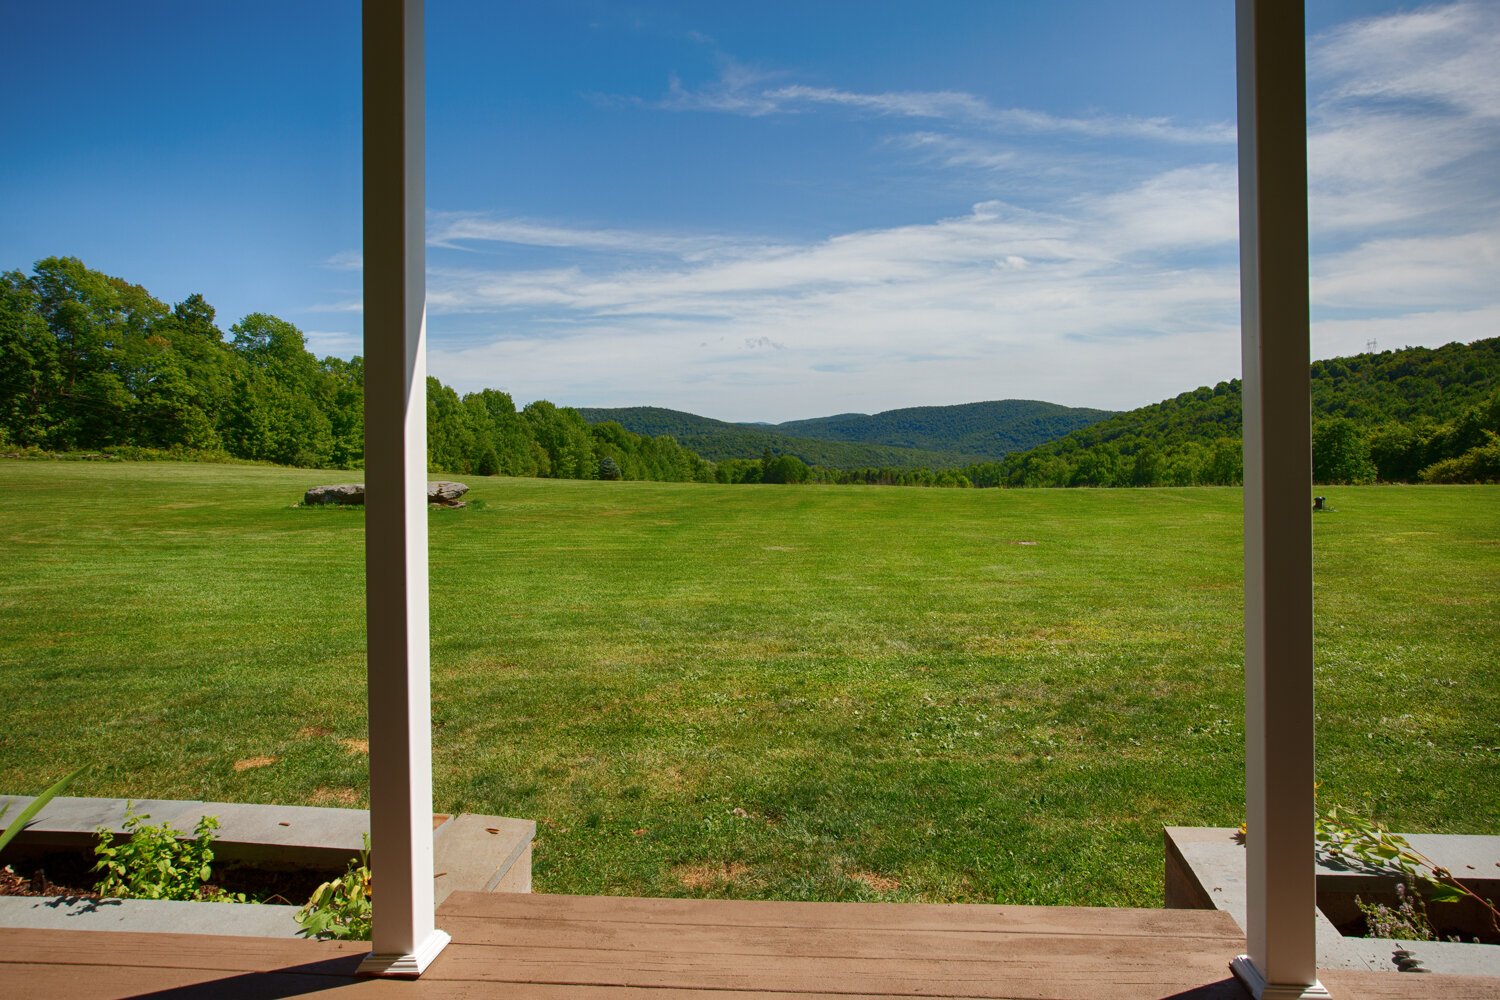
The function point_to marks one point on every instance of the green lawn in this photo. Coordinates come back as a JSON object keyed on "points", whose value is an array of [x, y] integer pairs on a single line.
{"points": [[756, 691]]}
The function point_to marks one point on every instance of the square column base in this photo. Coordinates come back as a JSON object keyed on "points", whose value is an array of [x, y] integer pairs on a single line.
{"points": [[405, 966], [1249, 976]]}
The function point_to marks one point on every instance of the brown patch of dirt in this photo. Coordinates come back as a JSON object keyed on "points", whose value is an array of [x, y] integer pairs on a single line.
{"points": [[313, 732], [322, 796], [880, 883], [251, 763], [356, 746], [667, 777], [703, 875]]}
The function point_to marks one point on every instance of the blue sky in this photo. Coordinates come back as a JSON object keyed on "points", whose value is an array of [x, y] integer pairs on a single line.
{"points": [[770, 211]]}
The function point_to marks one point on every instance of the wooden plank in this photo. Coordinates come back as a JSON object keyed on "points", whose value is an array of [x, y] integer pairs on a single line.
{"points": [[979, 917], [117, 983], [179, 951], [1035, 973], [1351, 985], [809, 942], [678, 950], [669, 976], [1221, 989], [42, 982]]}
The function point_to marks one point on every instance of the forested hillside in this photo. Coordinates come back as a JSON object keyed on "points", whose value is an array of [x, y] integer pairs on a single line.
{"points": [[984, 432], [719, 441], [1418, 414], [91, 362]]}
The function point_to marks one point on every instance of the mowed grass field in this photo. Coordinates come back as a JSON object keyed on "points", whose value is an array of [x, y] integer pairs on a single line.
{"points": [[753, 691]]}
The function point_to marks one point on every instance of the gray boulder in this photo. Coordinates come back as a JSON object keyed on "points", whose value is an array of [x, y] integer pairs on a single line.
{"points": [[443, 493], [346, 493], [446, 493]]}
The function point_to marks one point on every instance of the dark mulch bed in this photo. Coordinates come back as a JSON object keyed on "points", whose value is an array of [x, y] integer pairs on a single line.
{"points": [[69, 873], [65, 873]]}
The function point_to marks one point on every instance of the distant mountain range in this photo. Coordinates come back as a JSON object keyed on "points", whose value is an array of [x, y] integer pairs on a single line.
{"points": [[935, 437], [980, 431]]}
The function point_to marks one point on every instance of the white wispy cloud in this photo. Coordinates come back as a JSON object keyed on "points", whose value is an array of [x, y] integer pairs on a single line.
{"points": [[1439, 57], [978, 301], [345, 260], [1404, 127], [458, 230], [964, 107], [965, 151], [1120, 290], [346, 306], [1459, 269], [340, 343], [1182, 209], [740, 91]]}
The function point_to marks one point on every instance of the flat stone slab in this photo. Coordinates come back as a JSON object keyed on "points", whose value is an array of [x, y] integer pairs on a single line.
{"points": [[69, 913], [1205, 867], [483, 854], [71, 822], [292, 836], [1448, 957], [470, 852]]}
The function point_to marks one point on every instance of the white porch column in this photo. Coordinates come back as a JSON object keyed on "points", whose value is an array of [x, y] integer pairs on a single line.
{"points": [[1280, 878], [405, 938]]}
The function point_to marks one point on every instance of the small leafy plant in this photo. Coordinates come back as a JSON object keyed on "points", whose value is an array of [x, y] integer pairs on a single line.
{"points": [[1406, 921], [341, 908], [1343, 833], [156, 863]]}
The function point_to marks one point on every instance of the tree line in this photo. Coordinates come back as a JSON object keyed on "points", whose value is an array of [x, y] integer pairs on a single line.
{"points": [[92, 362], [89, 362], [719, 440]]}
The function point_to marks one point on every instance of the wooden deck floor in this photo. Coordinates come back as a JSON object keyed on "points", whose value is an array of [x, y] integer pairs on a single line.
{"points": [[539, 947]]}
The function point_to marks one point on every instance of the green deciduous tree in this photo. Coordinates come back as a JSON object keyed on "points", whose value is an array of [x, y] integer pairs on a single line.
{"points": [[1340, 453], [565, 439]]}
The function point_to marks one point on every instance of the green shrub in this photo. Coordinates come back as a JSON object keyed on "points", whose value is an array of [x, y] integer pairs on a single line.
{"points": [[1480, 464], [154, 863], [341, 908]]}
